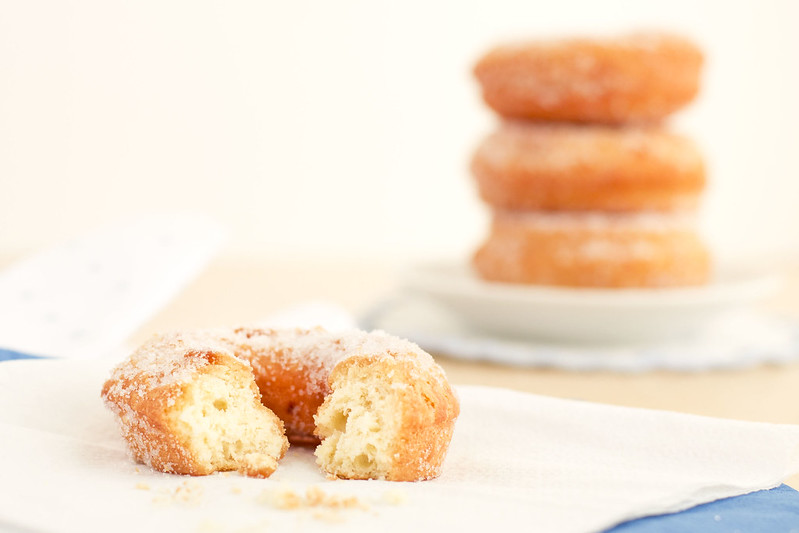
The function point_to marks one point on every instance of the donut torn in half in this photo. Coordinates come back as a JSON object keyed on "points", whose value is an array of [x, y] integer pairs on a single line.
{"points": [[190, 403]]}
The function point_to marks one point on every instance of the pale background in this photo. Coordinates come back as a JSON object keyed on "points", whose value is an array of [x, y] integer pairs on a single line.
{"points": [[340, 132], [343, 129]]}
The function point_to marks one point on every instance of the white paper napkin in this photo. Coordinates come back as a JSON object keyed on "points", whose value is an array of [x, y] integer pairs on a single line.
{"points": [[557, 465]]}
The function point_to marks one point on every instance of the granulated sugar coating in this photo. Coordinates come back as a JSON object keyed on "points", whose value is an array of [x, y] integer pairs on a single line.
{"points": [[187, 405], [567, 167], [292, 367], [634, 78], [186, 377]]}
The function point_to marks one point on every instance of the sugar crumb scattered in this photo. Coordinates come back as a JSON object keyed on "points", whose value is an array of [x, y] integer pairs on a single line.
{"points": [[324, 506], [188, 492]]}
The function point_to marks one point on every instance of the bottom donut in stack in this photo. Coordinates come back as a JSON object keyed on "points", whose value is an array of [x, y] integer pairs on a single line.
{"points": [[203, 401], [593, 249]]}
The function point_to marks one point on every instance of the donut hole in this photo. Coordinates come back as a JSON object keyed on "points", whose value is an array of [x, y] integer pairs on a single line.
{"points": [[339, 421], [224, 426], [358, 424], [364, 462]]}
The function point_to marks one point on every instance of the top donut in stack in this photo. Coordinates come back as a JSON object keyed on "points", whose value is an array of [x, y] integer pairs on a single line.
{"points": [[586, 185]]}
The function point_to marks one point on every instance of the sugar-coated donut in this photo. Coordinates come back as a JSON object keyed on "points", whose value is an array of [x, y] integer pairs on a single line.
{"points": [[587, 167], [187, 405], [639, 77], [593, 250], [380, 405]]}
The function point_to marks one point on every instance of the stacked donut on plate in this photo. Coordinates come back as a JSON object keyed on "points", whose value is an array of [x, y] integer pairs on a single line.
{"points": [[586, 185]]}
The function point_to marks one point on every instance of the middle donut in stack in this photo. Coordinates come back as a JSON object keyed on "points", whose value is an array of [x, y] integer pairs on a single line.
{"points": [[601, 196]]}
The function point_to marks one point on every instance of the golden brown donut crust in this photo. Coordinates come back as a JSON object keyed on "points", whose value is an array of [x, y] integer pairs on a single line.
{"points": [[145, 422], [574, 168], [593, 250], [292, 372], [145, 390], [635, 78]]}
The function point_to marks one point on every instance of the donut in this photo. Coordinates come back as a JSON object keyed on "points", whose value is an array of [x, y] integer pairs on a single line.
{"points": [[547, 166], [593, 249], [379, 406], [390, 414], [634, 78], [187, 405]]}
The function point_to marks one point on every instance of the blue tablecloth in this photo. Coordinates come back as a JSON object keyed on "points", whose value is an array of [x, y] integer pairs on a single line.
{"points": [[7, 355], [764, 511]]}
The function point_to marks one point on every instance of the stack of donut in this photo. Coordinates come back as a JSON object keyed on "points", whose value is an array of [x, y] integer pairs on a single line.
{"points": [[587, 186]]}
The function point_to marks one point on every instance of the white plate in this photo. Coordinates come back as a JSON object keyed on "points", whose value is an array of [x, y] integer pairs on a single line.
{"points": [[584, 315]]}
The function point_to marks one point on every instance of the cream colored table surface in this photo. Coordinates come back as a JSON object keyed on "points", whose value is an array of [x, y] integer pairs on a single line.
{"points": [[235, 291]]}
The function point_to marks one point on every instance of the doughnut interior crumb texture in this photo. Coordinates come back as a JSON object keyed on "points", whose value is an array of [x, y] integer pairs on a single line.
{"points": [[360, 424], [223, 427], [385, 420], [187, 410]]}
